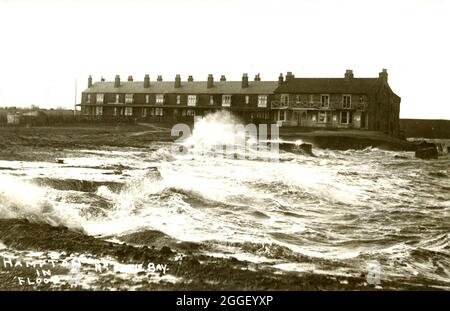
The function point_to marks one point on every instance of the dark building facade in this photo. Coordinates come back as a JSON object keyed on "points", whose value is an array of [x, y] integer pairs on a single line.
{"points": [[348, 102]]}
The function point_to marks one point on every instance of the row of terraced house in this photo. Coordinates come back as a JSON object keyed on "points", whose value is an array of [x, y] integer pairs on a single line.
{"points": [[347, 102]]}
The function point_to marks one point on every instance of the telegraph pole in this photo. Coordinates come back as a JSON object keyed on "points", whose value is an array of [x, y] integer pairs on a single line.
{"points": [[75, 103]]}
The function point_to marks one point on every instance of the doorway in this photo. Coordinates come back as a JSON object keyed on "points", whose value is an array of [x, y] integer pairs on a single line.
{"points": [[363, 120]]}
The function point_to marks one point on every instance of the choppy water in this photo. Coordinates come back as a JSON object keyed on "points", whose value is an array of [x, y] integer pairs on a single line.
{"points": [[334, 213]]}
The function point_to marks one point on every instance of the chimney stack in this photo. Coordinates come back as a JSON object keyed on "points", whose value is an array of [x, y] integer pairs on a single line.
{"points": [[280, 79], [159, 79], [190, 79], [130, 78], [117, 81], [147, 81], [177, 81], [210, 82], [349, 74], [222, 78], [90, 81], [289, 76], [244, 83], [102, 79], [384, 75], [257, 77]]}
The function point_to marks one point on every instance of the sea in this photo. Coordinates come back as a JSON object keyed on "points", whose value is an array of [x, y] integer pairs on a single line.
{"points": [[345, 211]]}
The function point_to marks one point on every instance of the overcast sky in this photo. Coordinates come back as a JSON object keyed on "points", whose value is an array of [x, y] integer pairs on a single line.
{"points": [[47, 45]]}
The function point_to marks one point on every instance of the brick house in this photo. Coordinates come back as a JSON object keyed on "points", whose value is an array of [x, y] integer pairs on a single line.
{"points": [[175, 101], [348, 102]]}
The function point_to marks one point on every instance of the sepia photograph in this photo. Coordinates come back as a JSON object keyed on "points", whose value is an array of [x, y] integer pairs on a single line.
{"points": [[215, 146]]}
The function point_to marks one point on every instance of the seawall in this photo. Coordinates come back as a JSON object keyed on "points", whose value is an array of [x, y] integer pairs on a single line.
{"points": [[348, 139]]}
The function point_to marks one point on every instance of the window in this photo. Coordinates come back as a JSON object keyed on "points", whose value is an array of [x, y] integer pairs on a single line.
{"points": [[192, 100], [282, 115], [284, 100], [226, 100], [128, 111], [147, 99], [178, 99], [361, 102], [211, 100], [158, 112], [117, 98], [262, 115], [190, 112], [324, 116], [346, 117], [144, 112], [99, 98], [311, 100], [262, 101], [99, 111], [128, 98], [160, 98], [324, 101], [346, 101], [115, 111], [298, 99], [247, 99], [88, 99]]}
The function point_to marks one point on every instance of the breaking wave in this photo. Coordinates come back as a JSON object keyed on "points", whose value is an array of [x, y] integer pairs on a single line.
{"points": [[20, 199]]}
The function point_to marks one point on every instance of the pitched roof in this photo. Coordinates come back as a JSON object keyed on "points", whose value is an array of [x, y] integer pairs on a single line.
{"points": [[194, 87], [328, 85]]}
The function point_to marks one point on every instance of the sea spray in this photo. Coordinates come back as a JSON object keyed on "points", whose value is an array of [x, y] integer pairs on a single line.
{"points": [[19, 199], [221, 134]]}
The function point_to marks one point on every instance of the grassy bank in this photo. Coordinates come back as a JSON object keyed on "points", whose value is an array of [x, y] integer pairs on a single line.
{"points": [[49, 143]]}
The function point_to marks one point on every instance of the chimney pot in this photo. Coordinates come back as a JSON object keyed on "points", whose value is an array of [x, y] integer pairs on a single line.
{"points": [[222, 78], [177, 81], [289, 76], [244, 83], [257, 77], [349, 74], [210, 82], [190, 79], [102, 79], [280, 79], [383, 75], [130, 78], [147, 81], [90, 81], [159, 79], [117, 81]]}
